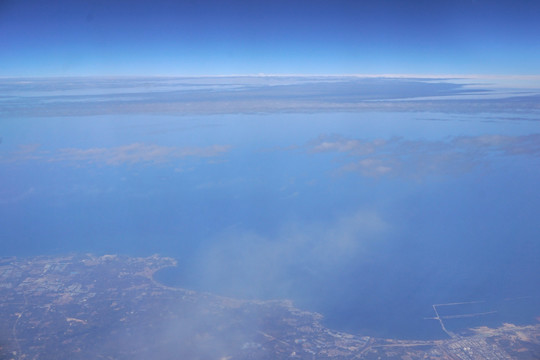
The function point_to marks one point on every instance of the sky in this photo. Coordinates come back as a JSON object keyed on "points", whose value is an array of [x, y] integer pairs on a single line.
{"points": [[69, 38]]}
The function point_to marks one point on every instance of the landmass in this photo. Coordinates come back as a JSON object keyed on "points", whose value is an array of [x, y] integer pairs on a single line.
{"points": [[110, 307]]}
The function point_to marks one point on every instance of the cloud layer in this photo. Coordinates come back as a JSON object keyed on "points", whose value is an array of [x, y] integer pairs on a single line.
{"points": [[255, 94]]}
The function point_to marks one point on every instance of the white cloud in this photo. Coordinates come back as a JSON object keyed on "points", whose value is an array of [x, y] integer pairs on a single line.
{"points": [[344, 239], [119, 155], [23, 153], [245, 262], [369, 167], [15, 198], [510, 145], [397, 156], [341, 144]]}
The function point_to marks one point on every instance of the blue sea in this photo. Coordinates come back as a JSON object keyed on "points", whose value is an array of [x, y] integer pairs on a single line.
{"points": [[367, 217]]}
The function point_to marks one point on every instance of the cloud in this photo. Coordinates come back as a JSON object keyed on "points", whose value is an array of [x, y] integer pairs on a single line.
{"points": [[369, 167], [245, 263], [23, 153], [256, 94], [343, 239], [127, 154], [341, 144], [12, 198], [509, 145], [401, 157]]}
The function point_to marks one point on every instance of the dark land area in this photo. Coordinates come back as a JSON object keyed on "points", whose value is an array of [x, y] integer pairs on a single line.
{"points": [[110, 307]]}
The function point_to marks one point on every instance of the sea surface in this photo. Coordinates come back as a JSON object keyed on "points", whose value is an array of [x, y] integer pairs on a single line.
{"points": [[369, 218]]}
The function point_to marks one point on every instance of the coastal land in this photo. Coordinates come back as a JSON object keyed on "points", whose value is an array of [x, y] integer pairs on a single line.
{"points": [[110, 307]]}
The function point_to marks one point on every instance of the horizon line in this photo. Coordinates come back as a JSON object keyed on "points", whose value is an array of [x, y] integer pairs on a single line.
{"points": [[264, 75]]}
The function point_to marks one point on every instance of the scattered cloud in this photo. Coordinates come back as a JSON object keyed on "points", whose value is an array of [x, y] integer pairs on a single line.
{"points": [[398, 156], [341, 144], [23, 152], [220, 184], [344, 239], [369, 167], [135, 153], [508, 145], [15, 198]]}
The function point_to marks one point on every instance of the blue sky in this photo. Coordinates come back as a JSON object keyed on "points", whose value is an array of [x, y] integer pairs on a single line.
{"points": [[249, 37]]}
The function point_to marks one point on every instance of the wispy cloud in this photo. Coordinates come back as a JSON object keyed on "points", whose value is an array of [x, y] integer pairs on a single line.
{"points": [[341, 144], [243, 261], [509, 145], [255, 94], [24, 152], [6, 198], [136, 153], [397, 156]]}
